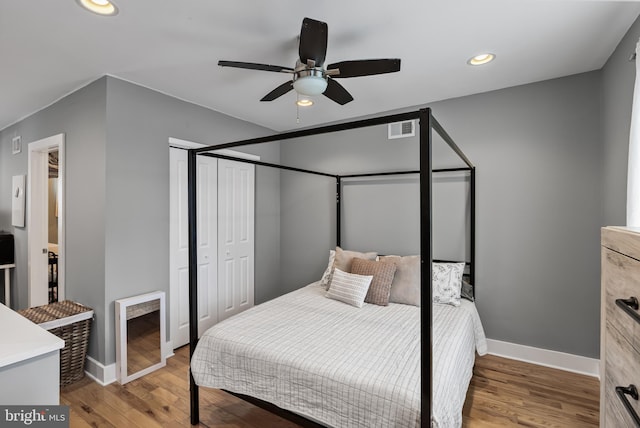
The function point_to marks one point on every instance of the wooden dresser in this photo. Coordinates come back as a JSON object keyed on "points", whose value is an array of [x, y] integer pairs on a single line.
{"points": [[620, 328]]}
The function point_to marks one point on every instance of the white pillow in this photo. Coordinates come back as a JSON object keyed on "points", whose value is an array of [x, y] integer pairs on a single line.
{"points": [[326, 276], [349, 287], [447, 282]]}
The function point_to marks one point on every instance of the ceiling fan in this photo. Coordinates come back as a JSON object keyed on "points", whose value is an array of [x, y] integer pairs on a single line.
{"points": [[309, 76]]}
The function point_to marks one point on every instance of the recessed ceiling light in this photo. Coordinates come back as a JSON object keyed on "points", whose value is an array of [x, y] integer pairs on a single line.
{"points": [[304, 102], [101, 7], [481, 59]]}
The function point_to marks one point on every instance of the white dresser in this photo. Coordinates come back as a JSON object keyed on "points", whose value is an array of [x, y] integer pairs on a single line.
{"points": [[620, 328], [29, 362]]}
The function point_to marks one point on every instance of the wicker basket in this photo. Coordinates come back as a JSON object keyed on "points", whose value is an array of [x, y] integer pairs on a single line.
{"points": [[71, 322]]}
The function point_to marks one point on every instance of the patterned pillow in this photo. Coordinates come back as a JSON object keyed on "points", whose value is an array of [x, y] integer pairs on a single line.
{"points": [[380, 287], [326, 276], [447, 282], [349, 288]]}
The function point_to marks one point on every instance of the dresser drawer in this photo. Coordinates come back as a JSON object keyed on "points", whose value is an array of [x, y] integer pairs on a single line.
{"points": [[615, 414], [622, 239], [622, 366], [621, 280]]}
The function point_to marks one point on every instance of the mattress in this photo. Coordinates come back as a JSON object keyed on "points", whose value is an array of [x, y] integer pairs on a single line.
{"points": [[340, 365]]}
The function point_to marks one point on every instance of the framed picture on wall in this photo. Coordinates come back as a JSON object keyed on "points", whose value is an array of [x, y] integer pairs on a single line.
{"points": [[17, 201]]}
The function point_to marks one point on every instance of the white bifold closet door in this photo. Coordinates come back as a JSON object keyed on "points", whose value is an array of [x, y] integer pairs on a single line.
{"points": [[225, 277], [235, 237]]}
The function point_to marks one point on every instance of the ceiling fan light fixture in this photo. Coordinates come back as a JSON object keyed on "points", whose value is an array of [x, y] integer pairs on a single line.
{"points": [[310, 85], [304, 102], [101, 7], [481, 59]]}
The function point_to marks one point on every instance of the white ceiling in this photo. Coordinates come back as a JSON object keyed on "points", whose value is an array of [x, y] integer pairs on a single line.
{"points": [[51, 48]]}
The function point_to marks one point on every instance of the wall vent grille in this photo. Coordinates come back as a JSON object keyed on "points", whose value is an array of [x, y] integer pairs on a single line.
{"points": [[402, 129]]}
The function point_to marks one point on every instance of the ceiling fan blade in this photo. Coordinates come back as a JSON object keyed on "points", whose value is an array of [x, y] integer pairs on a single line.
{"points": [[364, 67], [337, 92], [313, 41], [255, 66], [279, 91]]}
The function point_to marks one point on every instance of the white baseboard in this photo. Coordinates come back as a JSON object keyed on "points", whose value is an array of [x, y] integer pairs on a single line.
{"points": [[545, 357], [100, 373], [168, 349]]}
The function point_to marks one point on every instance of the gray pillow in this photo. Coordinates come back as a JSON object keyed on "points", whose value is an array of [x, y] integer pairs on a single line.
{"points": [[344, 258], [467, 291], [405, 287]]}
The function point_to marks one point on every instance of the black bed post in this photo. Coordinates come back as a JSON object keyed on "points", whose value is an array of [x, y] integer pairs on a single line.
{"points": [[472, 255], [338, 208], [193, 280], [426, 252]]}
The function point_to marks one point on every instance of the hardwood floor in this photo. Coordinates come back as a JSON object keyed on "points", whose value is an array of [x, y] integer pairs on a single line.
{"points": [[502, 393], [160, 399], [505, 392]]}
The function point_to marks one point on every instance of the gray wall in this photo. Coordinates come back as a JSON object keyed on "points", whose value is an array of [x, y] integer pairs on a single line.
{"points": [[81, 117], [537, 148], [117, 194], [308, 202], [139, 123], [618, 77], [380, 214]]}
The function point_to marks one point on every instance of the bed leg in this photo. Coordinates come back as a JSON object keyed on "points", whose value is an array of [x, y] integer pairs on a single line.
{"points": [[194, 399], [193, 281]]}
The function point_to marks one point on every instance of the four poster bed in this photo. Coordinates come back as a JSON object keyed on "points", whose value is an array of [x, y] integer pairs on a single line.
{"points": [[317, 361]]}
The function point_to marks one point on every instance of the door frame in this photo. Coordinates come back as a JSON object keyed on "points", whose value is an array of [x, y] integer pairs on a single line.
{"points": [[185, 144], [173, 303], [37, 211]]}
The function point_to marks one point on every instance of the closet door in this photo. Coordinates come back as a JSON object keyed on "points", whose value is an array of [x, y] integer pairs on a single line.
{"points": [[207, 188], [236, 188]]}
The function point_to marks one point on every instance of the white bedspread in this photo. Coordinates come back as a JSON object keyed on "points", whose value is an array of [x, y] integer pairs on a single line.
{"points": [[341, 365]]}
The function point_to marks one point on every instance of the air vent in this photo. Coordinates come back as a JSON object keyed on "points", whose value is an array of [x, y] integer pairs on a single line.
{"points": [[402, 129]]}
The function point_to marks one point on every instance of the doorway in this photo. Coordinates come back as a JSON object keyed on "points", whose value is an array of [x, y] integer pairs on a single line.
{"points": [[45, 220]]}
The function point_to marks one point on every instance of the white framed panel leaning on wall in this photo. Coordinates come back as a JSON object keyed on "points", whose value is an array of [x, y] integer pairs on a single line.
{"points": [[140, 335]]}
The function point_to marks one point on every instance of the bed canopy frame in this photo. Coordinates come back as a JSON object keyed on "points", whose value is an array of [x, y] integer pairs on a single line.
{"points": [[426, 124]]}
